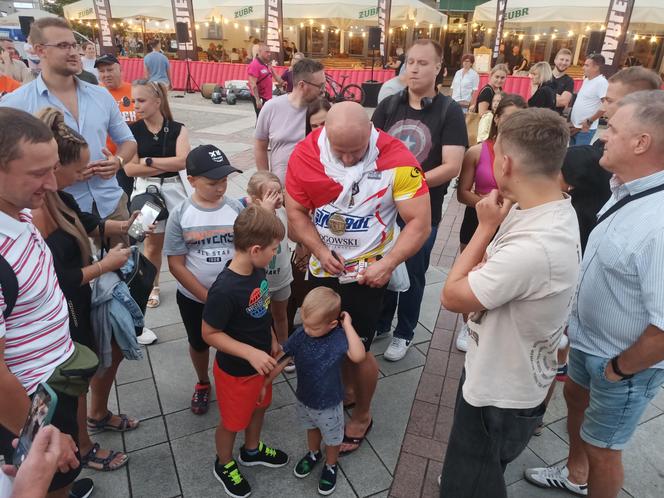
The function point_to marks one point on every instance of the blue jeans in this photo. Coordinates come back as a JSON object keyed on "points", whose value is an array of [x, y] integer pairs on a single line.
{"points": [[582, 138], [408, 302], [615, 407]]}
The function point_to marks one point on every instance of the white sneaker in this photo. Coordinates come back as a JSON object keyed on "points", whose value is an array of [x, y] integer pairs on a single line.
{"points": [[462, 338], [397, 349], [290, 368], [440, 477], [147, 337], [554, 477]]}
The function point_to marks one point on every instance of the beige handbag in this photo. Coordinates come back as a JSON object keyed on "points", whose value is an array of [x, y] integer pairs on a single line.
{"points": [[472, 124]]}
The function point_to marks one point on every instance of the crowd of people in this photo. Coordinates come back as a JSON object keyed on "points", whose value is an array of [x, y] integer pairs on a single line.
{"points": [[558, 276]]}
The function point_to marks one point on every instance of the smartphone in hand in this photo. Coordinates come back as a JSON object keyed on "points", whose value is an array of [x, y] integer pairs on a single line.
{"points": [[145, 218], [41, 412]]}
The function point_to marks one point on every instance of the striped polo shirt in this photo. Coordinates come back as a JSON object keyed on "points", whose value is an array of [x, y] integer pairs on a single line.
{"points": [[621, 290], [36, 333]]}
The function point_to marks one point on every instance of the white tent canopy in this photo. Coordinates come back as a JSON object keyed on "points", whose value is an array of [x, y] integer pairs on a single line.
{"points": [[12, 19], [526, 12], [357, 11]]}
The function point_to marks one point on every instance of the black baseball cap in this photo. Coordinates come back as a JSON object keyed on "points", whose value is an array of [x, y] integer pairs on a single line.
{"points": [[106, 59], [209, 161]]}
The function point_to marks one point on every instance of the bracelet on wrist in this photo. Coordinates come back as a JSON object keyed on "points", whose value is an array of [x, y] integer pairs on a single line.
{"points": [[616, 369]]}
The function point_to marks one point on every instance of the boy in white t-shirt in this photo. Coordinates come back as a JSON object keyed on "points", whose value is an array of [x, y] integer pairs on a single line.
{"points": [[517, 287], [199, 244]]}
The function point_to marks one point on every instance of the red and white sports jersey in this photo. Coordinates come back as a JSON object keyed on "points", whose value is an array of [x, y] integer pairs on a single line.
{"points": [[36, 334], [364, 230]]}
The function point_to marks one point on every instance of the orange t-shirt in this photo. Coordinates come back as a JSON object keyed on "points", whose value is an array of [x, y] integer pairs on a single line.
{"points": [[7, 84], [122, 96]]}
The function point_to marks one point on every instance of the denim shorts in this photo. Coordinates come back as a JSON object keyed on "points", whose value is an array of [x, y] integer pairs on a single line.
{"points": [[615, 407]]}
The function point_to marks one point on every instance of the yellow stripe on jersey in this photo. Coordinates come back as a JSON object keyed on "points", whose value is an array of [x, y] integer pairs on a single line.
{"points": [[408, 183]]}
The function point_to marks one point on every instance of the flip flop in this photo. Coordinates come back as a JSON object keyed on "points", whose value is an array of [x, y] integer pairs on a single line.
{"points": [[355, 440]]}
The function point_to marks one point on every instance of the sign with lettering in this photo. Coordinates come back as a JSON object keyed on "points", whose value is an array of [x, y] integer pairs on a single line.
{"points": [[106, 37], [243, 12], [384, 11], [501, 8], [516, 13], [367, 13], [274, 21], [617, 21], [183, 11]]}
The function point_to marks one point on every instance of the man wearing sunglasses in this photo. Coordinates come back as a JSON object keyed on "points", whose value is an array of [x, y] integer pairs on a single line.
{"points": [[88, 109], [281, 124]]}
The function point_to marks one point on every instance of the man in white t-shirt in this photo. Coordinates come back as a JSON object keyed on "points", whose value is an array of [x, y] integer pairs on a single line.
{"points": [[34, 319], [517, 288], [587, 110], [282, 121]]}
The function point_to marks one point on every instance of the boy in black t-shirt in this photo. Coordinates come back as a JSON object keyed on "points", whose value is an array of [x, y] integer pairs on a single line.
{"points": [[319, 348], [237, 322]]}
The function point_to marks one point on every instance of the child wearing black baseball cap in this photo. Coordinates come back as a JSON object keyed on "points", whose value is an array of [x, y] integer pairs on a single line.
{"points": [[198, 244]]}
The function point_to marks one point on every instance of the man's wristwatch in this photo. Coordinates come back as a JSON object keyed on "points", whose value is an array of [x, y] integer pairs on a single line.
{"points": [[616, 369], [148, 162]]}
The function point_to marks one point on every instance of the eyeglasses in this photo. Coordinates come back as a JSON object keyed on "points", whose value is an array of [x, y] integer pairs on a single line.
{"points": [[321, 87], [63, 45]]}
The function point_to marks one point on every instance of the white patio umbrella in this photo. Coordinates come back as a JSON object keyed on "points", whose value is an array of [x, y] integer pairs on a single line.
{"points": [[647, 12], [12, 19]]}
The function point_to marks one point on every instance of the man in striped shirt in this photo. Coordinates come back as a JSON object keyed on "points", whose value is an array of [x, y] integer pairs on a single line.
{"points": [[616, 330], [34, 338]]}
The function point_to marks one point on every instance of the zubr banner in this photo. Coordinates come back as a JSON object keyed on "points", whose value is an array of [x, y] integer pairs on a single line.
{"points": [[274, 22], [183, 11], [384, 10], [501, 8], [106, 36], [617, 21]]}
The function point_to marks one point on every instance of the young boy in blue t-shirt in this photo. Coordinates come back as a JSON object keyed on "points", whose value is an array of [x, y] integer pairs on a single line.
{"points": [[319, 348]]}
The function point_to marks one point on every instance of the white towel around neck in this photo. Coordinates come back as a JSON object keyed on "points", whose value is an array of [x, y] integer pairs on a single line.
{"points": [[346, 176]]}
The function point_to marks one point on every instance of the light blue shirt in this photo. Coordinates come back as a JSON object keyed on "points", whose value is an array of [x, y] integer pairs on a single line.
{"points": [[621, 287], [157, 65], [98, 117]]}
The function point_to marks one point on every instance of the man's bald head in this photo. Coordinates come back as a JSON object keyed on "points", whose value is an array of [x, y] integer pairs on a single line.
{"points": [[348, 130]]}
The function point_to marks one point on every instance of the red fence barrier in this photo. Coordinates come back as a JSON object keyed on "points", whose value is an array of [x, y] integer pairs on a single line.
{"points": [[220, 72], [520, 85]]}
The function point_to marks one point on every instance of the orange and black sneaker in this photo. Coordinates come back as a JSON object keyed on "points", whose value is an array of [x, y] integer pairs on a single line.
{"points": [[200, 401]]}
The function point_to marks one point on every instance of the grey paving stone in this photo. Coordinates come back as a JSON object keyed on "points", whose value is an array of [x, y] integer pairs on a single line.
{"points": [[658, 401], [282, 395], [644, 461], [139, 399], [365, 471], [430, 305], [133, 370], [423, 347], [557, 408], [651, 412], [435, 275], [174, 374], [560, 428], [167, 313], [527, 459], [382, 494], [109, 484], [149, 433], [391, 409], [413, 359], [169, 333], [549, 447], [183, 423], [152, 473]]}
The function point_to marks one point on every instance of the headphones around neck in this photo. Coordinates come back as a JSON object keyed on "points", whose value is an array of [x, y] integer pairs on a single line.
{"points": [[425, 103]]}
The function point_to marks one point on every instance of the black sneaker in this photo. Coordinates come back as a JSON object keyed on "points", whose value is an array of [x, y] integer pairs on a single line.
{"points": [[328, 480], [307, 464], [82, 488], [230, 478], [267, 456]]}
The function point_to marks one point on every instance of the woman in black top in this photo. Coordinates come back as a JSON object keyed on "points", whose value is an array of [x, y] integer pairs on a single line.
{"points": [[543, 92], [163, 145], [66, 230], [497, 78]]}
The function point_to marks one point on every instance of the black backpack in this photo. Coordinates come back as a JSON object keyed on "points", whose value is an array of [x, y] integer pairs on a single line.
{"points": [[9, 285]]}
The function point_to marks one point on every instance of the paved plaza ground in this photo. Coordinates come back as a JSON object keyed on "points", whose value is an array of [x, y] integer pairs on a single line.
{"points": [[172, 452]]}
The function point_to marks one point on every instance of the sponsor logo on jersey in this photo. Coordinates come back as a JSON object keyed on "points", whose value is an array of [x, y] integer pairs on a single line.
{"points": [[353, 223]]}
